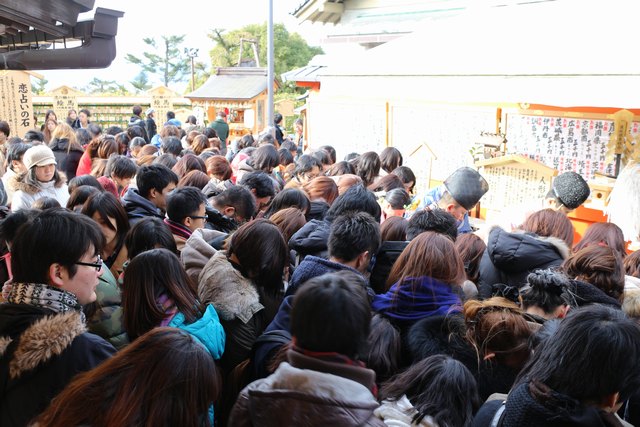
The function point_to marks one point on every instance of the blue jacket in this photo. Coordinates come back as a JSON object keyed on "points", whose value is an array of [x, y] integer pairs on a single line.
{"points": [[431, 199], [207, 330], [313, 266]]}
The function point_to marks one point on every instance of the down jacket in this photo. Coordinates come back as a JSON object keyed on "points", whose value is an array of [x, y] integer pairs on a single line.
{"points": [[25, 194], [40, 353], [309, 392], [510, 257]]}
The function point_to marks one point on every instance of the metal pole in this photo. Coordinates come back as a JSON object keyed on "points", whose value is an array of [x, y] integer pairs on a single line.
{"points": [[270, 70], [193, 76]]}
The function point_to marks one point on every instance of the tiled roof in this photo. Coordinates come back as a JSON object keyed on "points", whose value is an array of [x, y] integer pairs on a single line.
{"points": [[233, 83]]}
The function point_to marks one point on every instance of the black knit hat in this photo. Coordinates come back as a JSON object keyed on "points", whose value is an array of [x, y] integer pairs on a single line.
{"points": [[466, 186], [571, 189]]}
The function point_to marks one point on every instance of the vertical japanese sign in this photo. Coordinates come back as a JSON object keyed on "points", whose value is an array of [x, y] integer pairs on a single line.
{"points": [[16, 106], [161, 101], [63, 101]]}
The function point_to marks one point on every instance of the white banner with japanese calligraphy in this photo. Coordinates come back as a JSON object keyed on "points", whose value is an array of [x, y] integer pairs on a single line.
{"points": [[16, 106], [564, 143]]}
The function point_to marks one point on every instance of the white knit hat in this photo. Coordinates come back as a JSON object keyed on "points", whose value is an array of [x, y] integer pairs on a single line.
{"points": [[40, 155]]}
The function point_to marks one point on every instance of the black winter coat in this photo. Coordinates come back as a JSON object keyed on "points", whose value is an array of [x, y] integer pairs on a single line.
{"points": [[66, 159], [445, 335], [40, 353], [311, 239], [510, 257], [385, 258]]}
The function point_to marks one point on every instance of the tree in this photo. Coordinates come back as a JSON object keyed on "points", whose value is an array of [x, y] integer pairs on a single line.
{"points": [[290, 49], [166, 60], [141, 82], [38, 85], [105, 87]]}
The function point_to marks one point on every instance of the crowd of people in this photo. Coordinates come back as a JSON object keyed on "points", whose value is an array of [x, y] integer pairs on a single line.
{"points": [[165, 275]]}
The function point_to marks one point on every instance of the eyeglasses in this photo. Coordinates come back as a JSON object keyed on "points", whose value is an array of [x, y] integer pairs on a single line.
{"points": [[205, 216], [97, 265]]}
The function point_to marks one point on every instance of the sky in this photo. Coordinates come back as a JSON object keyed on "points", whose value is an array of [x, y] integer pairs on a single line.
{"points": [[195, 18]]}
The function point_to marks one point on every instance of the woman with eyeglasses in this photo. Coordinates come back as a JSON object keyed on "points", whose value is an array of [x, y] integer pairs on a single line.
{"points": [[307, 168]]}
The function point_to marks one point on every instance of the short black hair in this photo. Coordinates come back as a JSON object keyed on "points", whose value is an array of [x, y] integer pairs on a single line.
{"points": [[54, 236], [436, 220], [170, 115], [32, 135], [113, 130], [171, 145], [166, 159], [289, 197], [80, 195], [137, 141], [285, 157], [154, 176], [149, 233], [184, 202], [85, 111], [265, 158], [305, 163], [4, 128], [398, 198], [12, 223], [331, 151], [331, 314], [239, 198], [137, 110], [80, 180], [121, 167], [16, 151], [357, 199], [94, 129], [277, 117], [352, 234], [259, 181], [323, 157]]}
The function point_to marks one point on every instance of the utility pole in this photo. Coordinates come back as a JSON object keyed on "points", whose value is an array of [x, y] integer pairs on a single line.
{"points": [[192, 53], [270, 68]]}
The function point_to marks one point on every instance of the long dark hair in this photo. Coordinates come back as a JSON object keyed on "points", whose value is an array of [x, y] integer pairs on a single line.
{"points": [[149, 276], [437, 386], [163, 378], [107, 205], [262, 253]]}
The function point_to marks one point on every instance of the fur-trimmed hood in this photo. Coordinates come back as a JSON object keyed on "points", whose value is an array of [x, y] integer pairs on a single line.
{"points": [[510, 257], [46, 338], [232, 294], [17, 183], [197, 252]]}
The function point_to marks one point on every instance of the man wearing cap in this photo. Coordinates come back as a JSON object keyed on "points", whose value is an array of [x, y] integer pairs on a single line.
{"points": [[150, 123], [459, 193], [222, 129], [568, 192]]}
